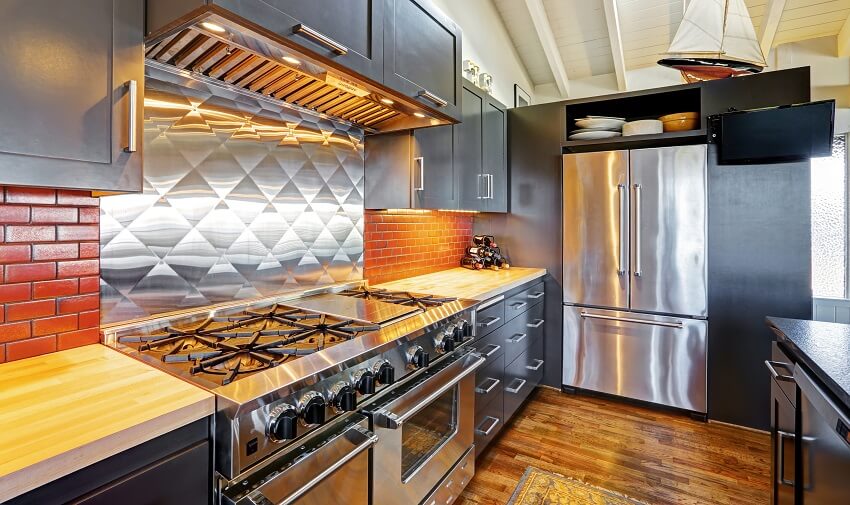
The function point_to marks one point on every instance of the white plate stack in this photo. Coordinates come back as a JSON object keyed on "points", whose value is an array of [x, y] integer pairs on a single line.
{"points": [[598, 127]]}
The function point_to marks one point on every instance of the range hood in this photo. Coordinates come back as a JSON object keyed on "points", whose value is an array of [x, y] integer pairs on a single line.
{"points": [[198, 40]]}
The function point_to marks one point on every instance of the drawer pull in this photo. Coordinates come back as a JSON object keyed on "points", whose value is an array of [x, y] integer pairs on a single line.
{"points": [[536, 324], [492, 320], [483, 391], [519, 305], [439, 102], [537, 295], [494, 348], [535, 367], [773, 365], [516, 389], [321, 38], [519, 337], [486, 432]]}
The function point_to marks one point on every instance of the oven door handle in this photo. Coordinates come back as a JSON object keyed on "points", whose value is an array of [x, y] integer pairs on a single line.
{"points": [[277, 490], [386, 418]]}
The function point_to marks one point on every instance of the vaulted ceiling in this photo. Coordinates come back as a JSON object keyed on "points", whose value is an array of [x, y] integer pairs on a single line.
{"points": [[563, 40]]}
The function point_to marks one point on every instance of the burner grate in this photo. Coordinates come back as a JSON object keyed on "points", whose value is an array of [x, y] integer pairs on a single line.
{"points": [[398, 297]]}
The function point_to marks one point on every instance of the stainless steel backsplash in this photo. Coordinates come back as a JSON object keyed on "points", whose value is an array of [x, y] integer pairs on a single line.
{"points": [[242, 198]]}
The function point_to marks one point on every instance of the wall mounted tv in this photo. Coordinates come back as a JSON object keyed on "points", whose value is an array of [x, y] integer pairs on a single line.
{"points": [[775, 134]]}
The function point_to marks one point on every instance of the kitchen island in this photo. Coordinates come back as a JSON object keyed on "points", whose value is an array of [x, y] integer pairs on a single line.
{"points": [[63, 412]]}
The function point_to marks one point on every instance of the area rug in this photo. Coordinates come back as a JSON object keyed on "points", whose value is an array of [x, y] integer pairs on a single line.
{"points": [[538, 487]]}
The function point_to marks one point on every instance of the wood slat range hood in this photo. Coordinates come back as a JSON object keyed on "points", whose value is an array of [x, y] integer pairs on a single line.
{"points": [[200, 40]]}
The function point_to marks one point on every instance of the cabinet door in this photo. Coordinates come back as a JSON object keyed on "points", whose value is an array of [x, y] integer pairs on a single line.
{"points": [[495, 153], [422, 54], [434, 168], [65, 97], [469, 155], [388, 170], [348, 32]]}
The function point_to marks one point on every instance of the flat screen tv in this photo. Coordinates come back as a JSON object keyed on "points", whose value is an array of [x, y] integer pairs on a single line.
{"points": [[776, 134]]}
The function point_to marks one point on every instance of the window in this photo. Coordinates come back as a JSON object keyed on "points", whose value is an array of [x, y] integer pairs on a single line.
{"points": [[829, 222]]}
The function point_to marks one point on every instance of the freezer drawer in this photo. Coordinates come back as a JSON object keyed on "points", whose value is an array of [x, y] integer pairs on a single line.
{"points": [[656, 359]]}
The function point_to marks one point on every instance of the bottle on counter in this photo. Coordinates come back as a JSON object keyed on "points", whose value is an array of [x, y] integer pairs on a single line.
{"points": [[484, 240], [472, 263]]}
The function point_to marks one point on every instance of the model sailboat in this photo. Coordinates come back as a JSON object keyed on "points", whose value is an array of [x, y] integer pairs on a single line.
{"points": [[715, 40]]}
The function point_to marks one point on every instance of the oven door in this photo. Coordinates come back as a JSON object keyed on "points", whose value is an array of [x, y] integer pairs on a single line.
{"points": [[329, 467], [423, 429]]}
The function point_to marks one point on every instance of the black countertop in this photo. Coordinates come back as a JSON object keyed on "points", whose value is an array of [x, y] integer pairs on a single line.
{"points": [[824, 348]]}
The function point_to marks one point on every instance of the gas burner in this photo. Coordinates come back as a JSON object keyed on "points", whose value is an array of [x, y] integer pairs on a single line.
{"points": [[398, 297], [236, 345]]}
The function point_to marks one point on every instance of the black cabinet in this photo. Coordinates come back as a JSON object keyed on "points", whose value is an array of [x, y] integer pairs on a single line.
{"points": [[173, 469], [348, 32], [411, 170], [422, 54], [71, 94]]}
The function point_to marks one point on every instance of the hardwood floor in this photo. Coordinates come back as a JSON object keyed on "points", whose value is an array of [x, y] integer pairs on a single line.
{"points": [[658, 457]]}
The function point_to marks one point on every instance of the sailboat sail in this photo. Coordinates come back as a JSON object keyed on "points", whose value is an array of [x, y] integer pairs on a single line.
{"points": [[719, 29]]}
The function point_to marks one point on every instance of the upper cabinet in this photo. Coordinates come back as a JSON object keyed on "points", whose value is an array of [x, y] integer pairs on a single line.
{"points": [[422, 54], [71, 94], [481, 152], [348, 32]]}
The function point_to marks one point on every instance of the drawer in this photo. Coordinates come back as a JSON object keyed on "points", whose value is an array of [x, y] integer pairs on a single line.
{"points": [[455, 482], [534, 321], [784, 364], [488, 382], [521, 377], [520, 302], [488, 423], [521, 332], [490, 318], [492, 346]]}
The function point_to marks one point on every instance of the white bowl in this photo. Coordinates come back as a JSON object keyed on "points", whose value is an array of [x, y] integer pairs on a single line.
{"points": [[606, 123], [643, 127]]}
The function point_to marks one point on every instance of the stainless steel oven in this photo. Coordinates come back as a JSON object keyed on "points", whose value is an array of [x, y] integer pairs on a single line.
{"points": [[329, 467], [424, 428]]}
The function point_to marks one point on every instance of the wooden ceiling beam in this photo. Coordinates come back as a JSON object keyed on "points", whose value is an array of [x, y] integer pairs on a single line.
{"points": [[612, 19], [844, 39], [550, 47], [769, 24]]}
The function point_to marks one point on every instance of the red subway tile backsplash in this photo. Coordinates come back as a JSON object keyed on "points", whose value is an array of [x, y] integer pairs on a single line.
{"points": [[406, 243], [49, 266]]}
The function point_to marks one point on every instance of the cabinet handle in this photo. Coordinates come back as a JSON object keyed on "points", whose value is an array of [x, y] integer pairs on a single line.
{"points": [[519, 337], [493, 423], [420, 161], [479, 186], [302, 29], [537, 295], [494, 349], [490, 186], [780, 477], [483, 391], [133, 94], [773, 365], [535, 367], [638, 269], [439, 102], [491, 322], [536, 324], [516, 389], [519, 305]]}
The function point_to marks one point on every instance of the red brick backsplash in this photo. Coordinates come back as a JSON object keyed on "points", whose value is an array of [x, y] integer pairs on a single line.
{"points": [[405, 243], [49, 271]]}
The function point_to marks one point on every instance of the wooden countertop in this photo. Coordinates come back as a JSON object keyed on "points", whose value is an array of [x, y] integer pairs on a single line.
{"points": [[65, 411], [464, 283]]}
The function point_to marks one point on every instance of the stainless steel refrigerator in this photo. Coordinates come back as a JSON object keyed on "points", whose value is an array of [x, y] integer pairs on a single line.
{"points": [[635, 294]]}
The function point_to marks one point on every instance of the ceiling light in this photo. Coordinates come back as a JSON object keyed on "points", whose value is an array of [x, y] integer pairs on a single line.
{"points": [[419, 114], [291, 60], [213, 27], [387, 101]]}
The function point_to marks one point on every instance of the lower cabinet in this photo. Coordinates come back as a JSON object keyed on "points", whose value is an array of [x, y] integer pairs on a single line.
{"points": [[514, 352], [173, 469]]}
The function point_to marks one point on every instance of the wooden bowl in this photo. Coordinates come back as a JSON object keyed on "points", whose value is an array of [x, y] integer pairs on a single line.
{"points": [[679, 115], [679, 125]]}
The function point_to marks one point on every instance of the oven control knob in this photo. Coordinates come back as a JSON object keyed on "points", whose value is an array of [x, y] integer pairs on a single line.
{"points": [[345, 399], [445, 344], [283, 424], [365, 382], [313, 409], [385, 373], [467, 328], [457, 334], [417, 357]]}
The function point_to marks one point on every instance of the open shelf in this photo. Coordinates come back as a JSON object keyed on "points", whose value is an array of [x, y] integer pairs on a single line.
{"points": [[636, 141]]}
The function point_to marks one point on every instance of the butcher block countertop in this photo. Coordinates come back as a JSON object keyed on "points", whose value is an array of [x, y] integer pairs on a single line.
{"points": [[464, 283], [64, 411]]}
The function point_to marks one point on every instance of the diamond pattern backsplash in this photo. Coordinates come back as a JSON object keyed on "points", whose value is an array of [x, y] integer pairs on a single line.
{"points": [[242, 198]]}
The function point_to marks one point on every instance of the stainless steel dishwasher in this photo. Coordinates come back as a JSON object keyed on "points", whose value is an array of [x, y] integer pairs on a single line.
{"points": [[824, 439]]}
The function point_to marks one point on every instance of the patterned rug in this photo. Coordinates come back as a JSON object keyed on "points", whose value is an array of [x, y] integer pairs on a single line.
{"points": [[537, 487]]}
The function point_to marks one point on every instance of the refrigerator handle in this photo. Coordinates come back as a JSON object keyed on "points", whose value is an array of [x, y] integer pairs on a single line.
{"points": [[621, 190], [638, 270], [650, 322]]}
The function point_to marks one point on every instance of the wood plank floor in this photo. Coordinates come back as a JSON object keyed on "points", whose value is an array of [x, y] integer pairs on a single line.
{"points": [[658, 457]]}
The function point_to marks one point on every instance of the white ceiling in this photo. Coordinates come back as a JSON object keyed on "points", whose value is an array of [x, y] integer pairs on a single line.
{"points": [[584, 43]]}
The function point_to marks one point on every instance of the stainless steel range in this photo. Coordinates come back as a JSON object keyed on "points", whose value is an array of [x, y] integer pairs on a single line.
{"points": [[306, 386]]}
